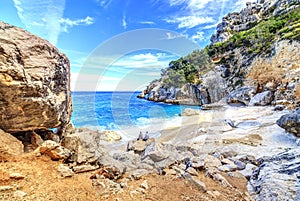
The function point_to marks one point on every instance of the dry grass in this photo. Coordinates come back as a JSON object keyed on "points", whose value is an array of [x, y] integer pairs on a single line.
{"points": [[280, 69], [263, 72]]}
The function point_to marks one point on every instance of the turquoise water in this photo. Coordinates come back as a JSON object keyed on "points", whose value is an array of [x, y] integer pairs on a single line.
{"points": [[119, 110]]}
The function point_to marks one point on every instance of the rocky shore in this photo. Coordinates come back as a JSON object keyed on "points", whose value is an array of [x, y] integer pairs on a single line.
{"points": [[243, 146], [247, 158]]}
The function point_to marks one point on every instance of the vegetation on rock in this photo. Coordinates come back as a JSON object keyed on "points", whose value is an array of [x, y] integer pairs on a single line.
{"points": [[187, 69], [261, 37], [254, 56]]}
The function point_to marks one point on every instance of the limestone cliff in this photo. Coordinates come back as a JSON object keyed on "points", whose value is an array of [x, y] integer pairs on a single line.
{"points": [[256, 48], [249, 16], [34, 82]]}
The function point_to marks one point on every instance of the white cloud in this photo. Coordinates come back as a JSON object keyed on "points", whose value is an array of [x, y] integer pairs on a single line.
{"points": [[147, 22], [171, 36], [139, 57], [124, 23], [202, 15], [89, 82], [209, 26], [191, 4], [176, 2], [44, 18], [67, 23], [127, 73], [190, 21], [104, 3], [194, 13], [198, 37], [41, 17], [242, 4], [147, 60]]}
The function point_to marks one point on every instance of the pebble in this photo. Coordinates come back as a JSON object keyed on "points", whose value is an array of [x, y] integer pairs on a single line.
{"points": [[170, 172], [279, 107], [226, 161], [16, 176], [229, 154], [201, 185], [64, 171], [19, 194], [192, 171], [144, 184], [5, 188], [247, 172], [240, 165], [227, 168]]}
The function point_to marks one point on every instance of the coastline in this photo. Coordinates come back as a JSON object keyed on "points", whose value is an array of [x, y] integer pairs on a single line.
{"points": [[256, 136], [190, 130]]}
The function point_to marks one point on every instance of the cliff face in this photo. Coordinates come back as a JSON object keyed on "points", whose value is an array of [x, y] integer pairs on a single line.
{"points": [[34, 82], [189, 94], [249, 16], [257, 48]]}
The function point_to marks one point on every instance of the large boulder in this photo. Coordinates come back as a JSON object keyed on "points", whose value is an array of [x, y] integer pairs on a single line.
{"points": [[242, 95], [262, 99], [9, 146], [188, 94], [34, 82], [84, 145], [277, 178], [291, 122]]}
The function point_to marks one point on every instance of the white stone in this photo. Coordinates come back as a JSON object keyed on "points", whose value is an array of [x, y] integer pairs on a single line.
{"points": [[16, 176], [144, 184], [110, 136], [64, 171], [19, 194]]}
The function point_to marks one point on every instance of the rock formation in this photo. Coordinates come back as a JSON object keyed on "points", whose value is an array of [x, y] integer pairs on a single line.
{"points": [[277, 178], [34, 82], [250, 49], [250, 16], [189, 94], [9, 146], [291, 122]]}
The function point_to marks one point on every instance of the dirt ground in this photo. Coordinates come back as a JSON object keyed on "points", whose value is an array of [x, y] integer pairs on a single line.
{"points": [[42, 182]]}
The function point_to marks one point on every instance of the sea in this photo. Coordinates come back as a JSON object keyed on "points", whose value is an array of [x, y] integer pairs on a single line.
{"points": [[124, 113]]}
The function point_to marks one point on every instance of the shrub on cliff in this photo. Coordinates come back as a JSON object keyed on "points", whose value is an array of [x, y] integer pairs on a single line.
{"points": [[260, 38], [186, 69], [174, 78]]}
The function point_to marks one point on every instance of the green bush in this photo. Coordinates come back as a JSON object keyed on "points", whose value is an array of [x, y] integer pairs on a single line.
{"points": [[260, 37], [256, 40], [187, 69], [174, 78]]}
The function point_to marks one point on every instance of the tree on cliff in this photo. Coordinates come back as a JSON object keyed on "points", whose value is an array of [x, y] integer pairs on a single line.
{"points": [[186, 69]]}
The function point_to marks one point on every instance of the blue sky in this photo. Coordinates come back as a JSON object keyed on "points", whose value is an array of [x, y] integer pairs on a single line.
{"points": [[119, 44]]}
